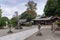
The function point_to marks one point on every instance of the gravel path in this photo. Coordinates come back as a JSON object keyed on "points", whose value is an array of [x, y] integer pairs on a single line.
{"points": [[20, 35], [46, 35], [3, 32]]}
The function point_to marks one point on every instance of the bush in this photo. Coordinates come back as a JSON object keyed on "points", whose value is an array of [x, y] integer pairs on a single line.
{"points": [[58, 23], [2, 23], [13, 21], [27, 24]]}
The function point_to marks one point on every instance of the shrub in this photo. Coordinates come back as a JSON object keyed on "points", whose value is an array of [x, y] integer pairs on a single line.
{"points": [[2, 23], [58, 23], [13, 21], [27, 24]]}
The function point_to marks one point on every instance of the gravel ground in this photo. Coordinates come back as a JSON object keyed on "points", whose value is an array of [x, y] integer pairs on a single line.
{"points": [[46, 35], [3, 32]]}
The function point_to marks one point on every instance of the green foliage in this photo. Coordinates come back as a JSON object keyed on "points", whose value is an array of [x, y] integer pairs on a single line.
{"points": [[31, 5], [3, 21], [52, 8], [13, 21], [58, 23], [27, 24], [0, 12], [29, 15]]}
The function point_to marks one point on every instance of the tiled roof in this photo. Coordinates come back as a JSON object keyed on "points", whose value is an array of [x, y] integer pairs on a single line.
{"points": [[48, 18]]}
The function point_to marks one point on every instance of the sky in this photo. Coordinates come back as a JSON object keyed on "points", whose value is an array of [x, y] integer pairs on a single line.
{"points": [[10, 6]]}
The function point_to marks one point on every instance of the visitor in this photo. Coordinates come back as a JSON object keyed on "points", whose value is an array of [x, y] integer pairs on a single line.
{"points": [[39, 27], [39, 30]]}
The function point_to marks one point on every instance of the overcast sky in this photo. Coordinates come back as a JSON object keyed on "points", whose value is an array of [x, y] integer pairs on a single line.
{"points": [[10, 6]]}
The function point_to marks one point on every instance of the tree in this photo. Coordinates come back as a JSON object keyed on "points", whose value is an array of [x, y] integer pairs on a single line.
{"points": [[58, 7], [3, 21], [30, 13], [0, 12], [31, 5], [13, 21], [10, 25], [52, 8], [18, 23]]}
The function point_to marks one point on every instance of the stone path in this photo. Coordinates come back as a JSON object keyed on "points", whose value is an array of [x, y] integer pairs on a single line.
{"points": [[46, 35]]}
